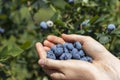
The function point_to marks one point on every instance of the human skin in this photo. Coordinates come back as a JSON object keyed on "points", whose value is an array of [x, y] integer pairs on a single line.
{"points": [[105, 66]]}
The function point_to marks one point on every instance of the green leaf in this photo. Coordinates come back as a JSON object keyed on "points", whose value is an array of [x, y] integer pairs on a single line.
{"points": [[116, 31], [80, 32], [26, 45], [3, 16], [99, 35], [56, 16], [8, 51], [20, 15], [104, 39], [94, 19], [59, 4], [43, 14], [59, 22], [102, 18], [15, 50]]}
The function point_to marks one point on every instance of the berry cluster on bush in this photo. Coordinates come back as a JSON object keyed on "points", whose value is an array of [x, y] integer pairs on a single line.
{"points": [[45, 25], [68, 51]]}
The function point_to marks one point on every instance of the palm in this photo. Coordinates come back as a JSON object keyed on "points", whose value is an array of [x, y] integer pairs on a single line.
{"points": [[102, 65]]}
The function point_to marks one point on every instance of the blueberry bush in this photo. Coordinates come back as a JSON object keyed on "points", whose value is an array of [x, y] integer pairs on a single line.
{"points": [[25, 22]]}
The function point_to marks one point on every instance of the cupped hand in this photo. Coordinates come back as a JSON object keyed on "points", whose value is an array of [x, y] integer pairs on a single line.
{"points": [[105, 66]]}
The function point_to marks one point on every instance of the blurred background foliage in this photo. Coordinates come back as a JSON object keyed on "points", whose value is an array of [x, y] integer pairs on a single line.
{"points": [[20, 30]]}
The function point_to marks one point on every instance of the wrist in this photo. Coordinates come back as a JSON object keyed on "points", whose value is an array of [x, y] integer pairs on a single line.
{"points": [[100, 75]]}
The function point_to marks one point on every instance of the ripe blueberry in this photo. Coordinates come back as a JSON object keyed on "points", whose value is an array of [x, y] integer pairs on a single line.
{"points": [[59, 46], [78, 45], [89, 59], [43, 25], [76, 56], [84, 23], [74, 51], [65, 50], [58, 51], [84, 58], [71, 1], [53, 48], [81, 53], [2, 30], [69, 46], [51, 55], [111, 27], [65, 56]]}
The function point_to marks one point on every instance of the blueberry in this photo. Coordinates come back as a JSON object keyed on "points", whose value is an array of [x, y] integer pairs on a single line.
{"points": [[84, 23], [59, 46], [53, 48], [65, 50], [89, 59], [68, 51], [51, 55], [74, 51], [111, 27], [49, 23], [43, 25], [2, 30], [65, 56], [78, 45], [81, 53], [76, 56], [65, 45], [58, 52], [84, 59], [69, 46], [71, 1]]}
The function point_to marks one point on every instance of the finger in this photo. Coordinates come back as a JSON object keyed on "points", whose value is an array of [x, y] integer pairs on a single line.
{"points": [[54, 74], [48, 43], [71, 65], [74, 37], [40, 50], [52, 64], [55, 39], [46, 48], [90, 46]]}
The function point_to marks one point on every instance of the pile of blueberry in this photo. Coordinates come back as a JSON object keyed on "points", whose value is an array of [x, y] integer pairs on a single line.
{"points": [[68, 51]]}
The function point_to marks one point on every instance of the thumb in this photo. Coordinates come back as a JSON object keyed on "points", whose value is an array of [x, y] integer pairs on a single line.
{"points": [[51, 64], [40, 50]]}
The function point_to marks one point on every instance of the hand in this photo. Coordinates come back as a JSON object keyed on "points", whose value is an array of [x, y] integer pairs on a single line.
{"points": [[105, 66]]}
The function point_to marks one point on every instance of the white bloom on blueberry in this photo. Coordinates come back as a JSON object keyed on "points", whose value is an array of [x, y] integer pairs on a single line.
{"points": [[49, 23]]}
